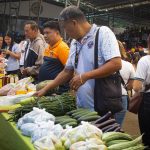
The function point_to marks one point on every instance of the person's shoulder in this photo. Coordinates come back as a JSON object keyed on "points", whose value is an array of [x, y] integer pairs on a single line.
{"points": [[63, 45], [15, 45], [105, 29], [144, 59]]}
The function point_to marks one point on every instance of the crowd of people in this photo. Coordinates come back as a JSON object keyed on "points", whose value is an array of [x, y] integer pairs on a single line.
{"points": [[89, 66]]}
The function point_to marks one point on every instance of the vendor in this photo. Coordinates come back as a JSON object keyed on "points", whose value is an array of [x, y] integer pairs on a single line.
{"points": [[12, 54], [55, 56]]}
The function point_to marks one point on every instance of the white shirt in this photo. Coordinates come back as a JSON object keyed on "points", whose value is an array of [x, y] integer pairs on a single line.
{"points": [[143, 71], [127, 72], [13, 63], [22, 46], [108, 49]]}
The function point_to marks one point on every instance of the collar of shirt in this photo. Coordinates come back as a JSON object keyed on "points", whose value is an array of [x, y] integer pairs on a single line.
{"points": [[87, 36], [55, 45]]}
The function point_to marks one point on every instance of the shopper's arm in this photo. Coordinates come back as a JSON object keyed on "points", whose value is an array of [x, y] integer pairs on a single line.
{"points": [[105, 70], [15, 55], [62, 78], [137, 85]]}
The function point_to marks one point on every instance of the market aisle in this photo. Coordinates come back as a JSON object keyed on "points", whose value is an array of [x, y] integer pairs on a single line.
{"points": [[131, 124]]}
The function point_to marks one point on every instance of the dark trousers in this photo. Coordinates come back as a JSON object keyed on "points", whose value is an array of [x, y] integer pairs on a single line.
{"points": [[144, 119]]}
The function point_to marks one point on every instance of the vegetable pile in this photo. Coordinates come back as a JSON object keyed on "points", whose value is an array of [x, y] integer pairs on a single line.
{"points": [[57, 105], [122, 141]]}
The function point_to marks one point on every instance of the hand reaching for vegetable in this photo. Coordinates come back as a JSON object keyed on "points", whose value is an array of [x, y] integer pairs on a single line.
{"points": [[40, 93]]}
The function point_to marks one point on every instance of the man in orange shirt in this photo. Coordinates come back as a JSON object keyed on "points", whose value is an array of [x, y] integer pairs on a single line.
{"points": [[55, 56]]}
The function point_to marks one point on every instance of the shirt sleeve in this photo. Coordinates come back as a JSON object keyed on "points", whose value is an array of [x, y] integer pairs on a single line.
{"points": [[141, 70], [69, 64], [63, 54], [108, 44], [16, 48], [132, 72]]}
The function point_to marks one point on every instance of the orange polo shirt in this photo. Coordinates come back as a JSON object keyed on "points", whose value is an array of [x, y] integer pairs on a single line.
{"points": [[60, 51]]}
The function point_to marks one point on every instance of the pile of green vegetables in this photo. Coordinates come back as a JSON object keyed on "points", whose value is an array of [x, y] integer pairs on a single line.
{"points": [[57, 105], [122, 141]]}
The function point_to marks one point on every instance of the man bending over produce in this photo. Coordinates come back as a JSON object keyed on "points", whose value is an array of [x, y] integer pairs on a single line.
{"points": [[80, 65]]}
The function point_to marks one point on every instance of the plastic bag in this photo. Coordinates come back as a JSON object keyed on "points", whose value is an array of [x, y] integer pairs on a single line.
{"points": [[44, 128], [58, 130], [28, 128], [21, 86], [50, 142], [38, 115], [89, 145], [5, 89], [11, 100], [44, 143], [81, 133]]}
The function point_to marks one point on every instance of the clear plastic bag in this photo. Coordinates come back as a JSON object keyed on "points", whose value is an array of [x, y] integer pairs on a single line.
{"points": [[44, 143], [5, 89], [44, 128], [28, 128], [38, 115]]}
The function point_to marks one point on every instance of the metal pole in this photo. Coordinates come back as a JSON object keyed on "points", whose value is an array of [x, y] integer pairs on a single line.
{"points": [[29, 9], [9, 15], [18, 10], [78, 3], [66, 3], [4, 17], [65, 35], [38, 17]]}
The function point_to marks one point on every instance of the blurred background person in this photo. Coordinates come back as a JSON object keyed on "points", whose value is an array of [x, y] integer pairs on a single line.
{"points": [[142, 84], [12, 53], [127, 73]]}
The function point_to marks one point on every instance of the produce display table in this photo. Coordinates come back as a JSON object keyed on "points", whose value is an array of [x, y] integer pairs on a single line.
{"points": [[10, 137]]}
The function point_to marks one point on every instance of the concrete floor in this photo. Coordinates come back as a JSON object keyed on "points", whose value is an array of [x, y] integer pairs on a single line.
{"points": [[130, 124]]}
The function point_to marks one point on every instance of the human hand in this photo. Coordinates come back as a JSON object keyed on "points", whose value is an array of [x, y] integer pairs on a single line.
{"points": [[77, 81], [40, 93], [24, 72]]}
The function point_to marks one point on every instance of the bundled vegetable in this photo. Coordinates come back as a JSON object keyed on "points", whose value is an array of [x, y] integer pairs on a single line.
{"points": [[107, 124], [56, 105], [42, 84], [122, 141]]}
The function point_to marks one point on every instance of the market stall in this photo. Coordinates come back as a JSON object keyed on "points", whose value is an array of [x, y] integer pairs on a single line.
{"points": [[10, 137], [53, 122]]}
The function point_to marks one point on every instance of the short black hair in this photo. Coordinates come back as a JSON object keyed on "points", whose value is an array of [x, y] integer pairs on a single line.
{"points": [[70, 13], [52, 25], [34, 25]]}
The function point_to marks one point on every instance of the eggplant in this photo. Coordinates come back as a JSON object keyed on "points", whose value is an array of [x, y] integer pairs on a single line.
{"points": [[117, 129], [106, 123], [113, 128], [103, 118], [109, 126]]}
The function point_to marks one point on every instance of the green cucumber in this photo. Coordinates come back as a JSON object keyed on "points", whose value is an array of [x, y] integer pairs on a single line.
{"points": [[89, 118], [90, 114], [73, 124], [74, 111], [81, 112], [137, 147], [125, 145], [115, 142], [67, 121], [110, 136]]}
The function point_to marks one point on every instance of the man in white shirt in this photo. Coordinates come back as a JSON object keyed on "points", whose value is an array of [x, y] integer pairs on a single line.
{"points": [[81, 58], [127, 73]]}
